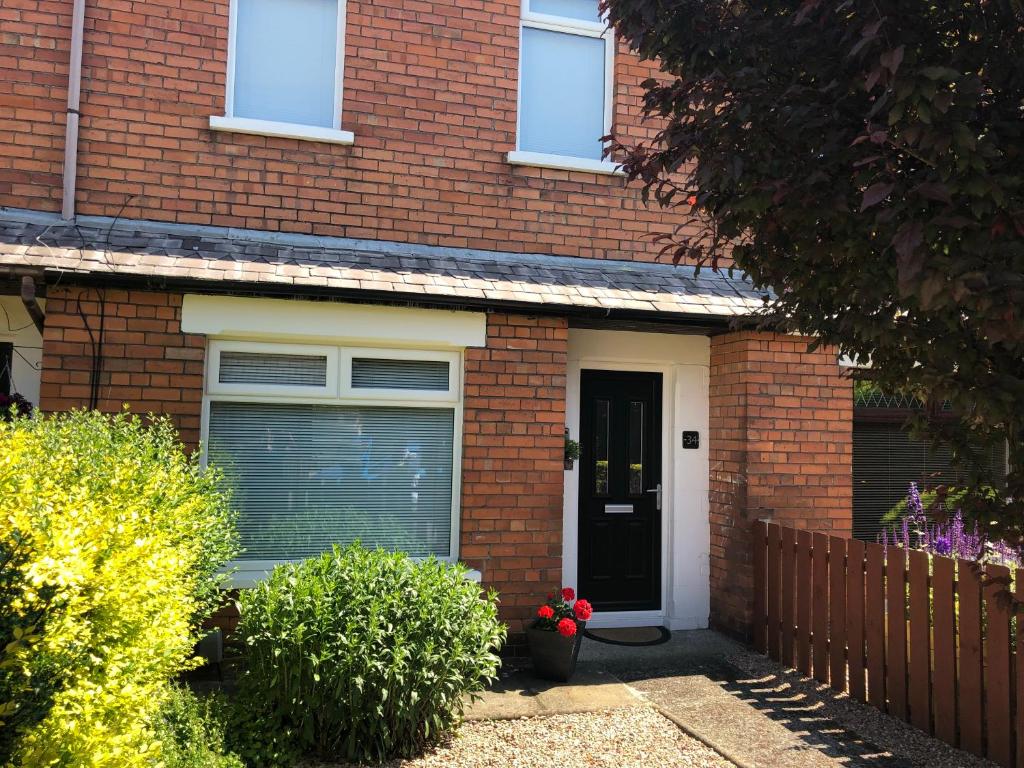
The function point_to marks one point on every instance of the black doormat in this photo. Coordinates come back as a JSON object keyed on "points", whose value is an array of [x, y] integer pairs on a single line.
{"points": [[630, 636]]}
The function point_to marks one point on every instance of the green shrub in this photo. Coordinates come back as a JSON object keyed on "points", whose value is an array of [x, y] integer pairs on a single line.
{"points": [[110, 542], [259, 735], [191, 731], [366, 655]]}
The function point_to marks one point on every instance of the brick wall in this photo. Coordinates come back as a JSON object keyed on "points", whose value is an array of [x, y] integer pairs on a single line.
{"points": [[514, 443], [147, 362], [781, 448], [429, 91], [35, 37]]}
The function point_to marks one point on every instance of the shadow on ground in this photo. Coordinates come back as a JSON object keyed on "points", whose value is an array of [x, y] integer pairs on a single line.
{"points": [[769, 718]]}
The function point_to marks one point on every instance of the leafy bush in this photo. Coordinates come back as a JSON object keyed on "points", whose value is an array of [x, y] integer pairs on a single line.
{"points": [[191, 731], [366, 655], [110, 542]]}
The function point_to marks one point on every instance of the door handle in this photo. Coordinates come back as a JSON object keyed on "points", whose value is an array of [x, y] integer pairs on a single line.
{"points": [[657, 496]]}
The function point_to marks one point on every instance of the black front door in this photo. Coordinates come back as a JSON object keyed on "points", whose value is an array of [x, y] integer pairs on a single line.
{"points": [[620, 480]]}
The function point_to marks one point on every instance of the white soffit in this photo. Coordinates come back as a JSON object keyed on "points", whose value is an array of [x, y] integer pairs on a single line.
{"points": [[286, 319]]}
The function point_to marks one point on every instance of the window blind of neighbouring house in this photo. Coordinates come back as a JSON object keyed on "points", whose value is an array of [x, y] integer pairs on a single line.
{"points": [[285, 60], [400, 374], [305, 477], [886, 459], [272, 369]]}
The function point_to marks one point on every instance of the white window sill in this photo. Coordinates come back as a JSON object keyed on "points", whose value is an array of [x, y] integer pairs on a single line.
{"points": [[281, 130], [563, 163], [247, 576]]}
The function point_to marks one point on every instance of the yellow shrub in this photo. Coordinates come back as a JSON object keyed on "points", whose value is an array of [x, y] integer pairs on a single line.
{"points": [[110, 541]]}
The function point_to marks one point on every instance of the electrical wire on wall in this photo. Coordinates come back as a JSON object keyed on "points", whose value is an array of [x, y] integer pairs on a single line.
{"points": [[96, 340]]}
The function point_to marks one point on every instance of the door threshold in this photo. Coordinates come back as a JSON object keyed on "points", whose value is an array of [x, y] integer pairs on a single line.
{"points": [[616, 619]]}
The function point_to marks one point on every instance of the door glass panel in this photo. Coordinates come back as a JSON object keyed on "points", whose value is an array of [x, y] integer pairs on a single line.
{"points": [[602, 428], [636, 448]]}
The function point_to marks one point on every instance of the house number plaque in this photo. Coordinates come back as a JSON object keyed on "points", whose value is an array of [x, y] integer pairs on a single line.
{"points": [[691, 440]]}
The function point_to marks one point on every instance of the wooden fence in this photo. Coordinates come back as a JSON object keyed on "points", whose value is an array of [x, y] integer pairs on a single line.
{"points": [[931, 641]]}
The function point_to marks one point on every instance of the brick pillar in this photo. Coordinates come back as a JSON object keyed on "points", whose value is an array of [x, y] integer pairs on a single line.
{"points": [[781, 448], [147, 362], [512, 462]]}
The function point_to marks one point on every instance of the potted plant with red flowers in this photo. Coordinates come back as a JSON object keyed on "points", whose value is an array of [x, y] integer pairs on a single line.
{"points": [[556, 634]]}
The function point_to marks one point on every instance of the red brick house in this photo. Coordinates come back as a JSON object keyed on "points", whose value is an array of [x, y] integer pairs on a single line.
{"points": [[367, 254]]}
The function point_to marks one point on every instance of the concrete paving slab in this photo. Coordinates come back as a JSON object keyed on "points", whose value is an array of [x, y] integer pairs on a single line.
{"points": [[521, 694]]}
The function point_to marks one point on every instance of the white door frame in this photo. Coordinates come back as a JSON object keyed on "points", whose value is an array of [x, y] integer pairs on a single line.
{"points": [[571, 520], [683, 363]]}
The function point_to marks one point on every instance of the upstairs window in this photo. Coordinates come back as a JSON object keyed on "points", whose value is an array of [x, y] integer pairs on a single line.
{"points": [[285, 64], [565, 81]]}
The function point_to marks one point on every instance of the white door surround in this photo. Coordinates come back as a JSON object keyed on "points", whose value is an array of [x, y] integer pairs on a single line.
{"points": [[684, 362]]}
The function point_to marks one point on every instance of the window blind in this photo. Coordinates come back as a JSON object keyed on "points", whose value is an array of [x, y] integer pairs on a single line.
{"points": [[886, 459], [562, 94], [272, 369], [584, 10], [399, 374], [285, 60], [305, 477]]}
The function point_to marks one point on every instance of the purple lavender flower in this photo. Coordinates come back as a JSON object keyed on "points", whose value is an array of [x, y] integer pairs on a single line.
{"points": [[915, 507], [941, 544], [952, 539]]}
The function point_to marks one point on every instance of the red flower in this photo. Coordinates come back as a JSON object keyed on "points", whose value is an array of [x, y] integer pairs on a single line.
{"points": [[545, 612], [691, 200], [568, 595], [567, 627], [583, 610]]}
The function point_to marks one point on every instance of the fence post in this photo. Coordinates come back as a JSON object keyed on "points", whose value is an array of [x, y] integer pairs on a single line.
{"points": [[997, 665], [896, 631], [944, 680], [970, 670], [837, 566], [760, 618], [920, 642]]}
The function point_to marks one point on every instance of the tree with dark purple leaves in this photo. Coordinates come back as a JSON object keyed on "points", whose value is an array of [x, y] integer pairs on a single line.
{"points": [[865, 160]]}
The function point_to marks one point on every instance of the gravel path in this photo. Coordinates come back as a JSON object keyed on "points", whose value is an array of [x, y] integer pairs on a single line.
{"points": [[637, 737]]}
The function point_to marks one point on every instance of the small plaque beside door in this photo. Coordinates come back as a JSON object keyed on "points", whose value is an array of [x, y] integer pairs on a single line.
{"points": [[618, 509], [691, 440]]}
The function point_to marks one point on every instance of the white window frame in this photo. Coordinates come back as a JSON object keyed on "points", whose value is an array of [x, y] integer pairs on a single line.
{"points": [[450, 395], [595, 29], [215, 387], [339, 392], [230, 123]]}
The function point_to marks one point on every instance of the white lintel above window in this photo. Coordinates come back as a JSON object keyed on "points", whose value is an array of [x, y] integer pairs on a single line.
{"points": [[330, 322], [285, 65], [566, 72]]}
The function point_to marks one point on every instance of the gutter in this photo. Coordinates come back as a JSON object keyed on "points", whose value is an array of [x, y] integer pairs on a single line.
{"points": [[74, 101]]}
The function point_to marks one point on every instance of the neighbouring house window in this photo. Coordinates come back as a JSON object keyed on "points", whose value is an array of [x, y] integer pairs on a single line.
{"points": [[565, 79], [329, 445], [886, 458], [285, 61]]}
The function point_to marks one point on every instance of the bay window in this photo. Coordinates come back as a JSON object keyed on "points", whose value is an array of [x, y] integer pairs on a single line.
{"points": [[322, 445]]}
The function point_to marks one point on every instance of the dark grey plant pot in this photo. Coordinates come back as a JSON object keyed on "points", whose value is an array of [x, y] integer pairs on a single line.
{"points": [[554, 656]]}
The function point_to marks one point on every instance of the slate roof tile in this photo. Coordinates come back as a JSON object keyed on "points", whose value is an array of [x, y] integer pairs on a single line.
{"points": [[219, 254]]}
